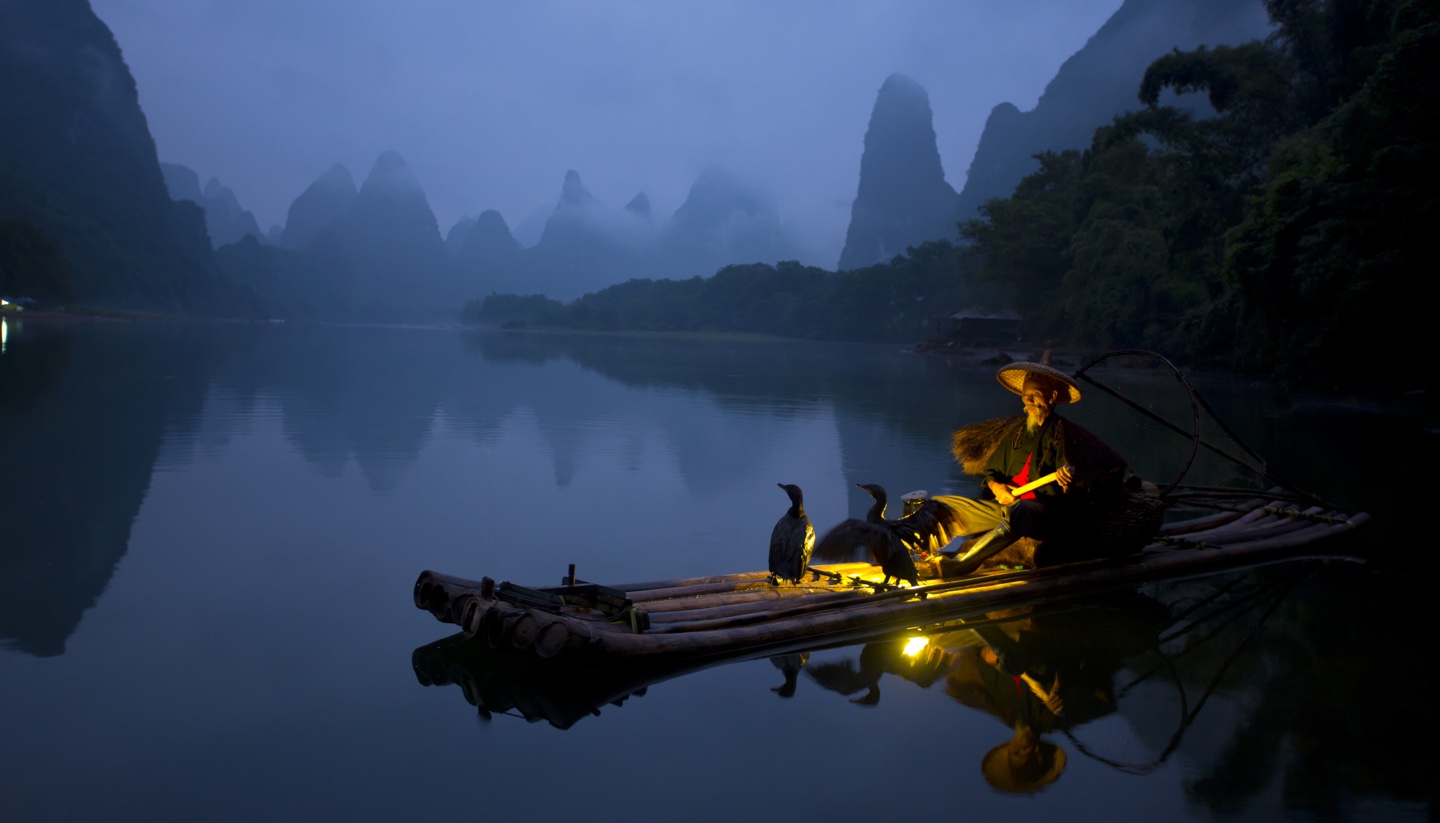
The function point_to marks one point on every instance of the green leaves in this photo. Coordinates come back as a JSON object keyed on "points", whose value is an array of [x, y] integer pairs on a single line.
{"points": [[32, 264], [1287, 233], [887, 302]]}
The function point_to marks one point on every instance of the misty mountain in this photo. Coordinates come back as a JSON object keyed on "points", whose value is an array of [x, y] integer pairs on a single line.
{"points": [[320, 206], [392, 240], [225, 221], [490, 255], [1099, 81], [903, 199], [455, 237], [315, 283], [529, 228], [585, 246], [639, 206], [77, 161], [354, 254], [722, 221]]}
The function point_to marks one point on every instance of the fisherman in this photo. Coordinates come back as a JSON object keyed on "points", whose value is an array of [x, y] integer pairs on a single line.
{"points": [[1087, 473]]}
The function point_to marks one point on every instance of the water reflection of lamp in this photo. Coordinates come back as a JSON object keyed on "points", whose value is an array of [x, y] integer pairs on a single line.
{"points": [[915, 645], [4, 334]]}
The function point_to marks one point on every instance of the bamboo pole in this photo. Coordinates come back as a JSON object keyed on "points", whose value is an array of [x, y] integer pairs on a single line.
{"points": [[672, 620], [525, 629], [1248, 517], [878, 615], [702, 622], [435, 593], [822, 603], [552, 639], [662, 607], [1197, 523], [1248, 536], [722, 578], [472, 616]]}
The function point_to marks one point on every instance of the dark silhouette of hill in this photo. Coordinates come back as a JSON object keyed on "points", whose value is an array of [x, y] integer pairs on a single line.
{"points": [[241, 222], [369, 254], [639, 206], [393, 242], [320, 206], [77, 161], [377, 252], [314, 283], [490, 255], [1099, 81], [586, 247], [903, 199], [225, 221], [87, 407], [455, 237]]}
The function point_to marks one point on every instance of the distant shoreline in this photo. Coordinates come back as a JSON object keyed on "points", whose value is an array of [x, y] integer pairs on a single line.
{"points": [[1065, 357]]}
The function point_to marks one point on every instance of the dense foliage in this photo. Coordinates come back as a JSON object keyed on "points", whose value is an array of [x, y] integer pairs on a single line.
{"points": [[891, 301], [1283, 234], [32, 265]]}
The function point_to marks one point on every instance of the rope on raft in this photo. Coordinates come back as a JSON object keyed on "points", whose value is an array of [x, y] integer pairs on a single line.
{"points": [[1197, 402], [1194, 434]]}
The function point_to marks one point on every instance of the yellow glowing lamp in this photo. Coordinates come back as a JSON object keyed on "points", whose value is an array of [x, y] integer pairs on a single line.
{"points": [[915, 645]]}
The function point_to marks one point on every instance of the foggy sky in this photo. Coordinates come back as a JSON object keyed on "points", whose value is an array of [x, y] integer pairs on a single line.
{"points": [[491, 101]]}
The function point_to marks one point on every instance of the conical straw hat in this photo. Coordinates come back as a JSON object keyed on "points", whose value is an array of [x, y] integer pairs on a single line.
{"points": [[1002, 775], [1012, 377]]}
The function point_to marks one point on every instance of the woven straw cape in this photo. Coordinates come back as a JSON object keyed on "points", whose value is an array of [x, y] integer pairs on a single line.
{"points": [[1012, 377]]}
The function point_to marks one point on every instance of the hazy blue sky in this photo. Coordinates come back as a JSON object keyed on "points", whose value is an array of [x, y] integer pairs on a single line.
{"points": [[491, 101]]}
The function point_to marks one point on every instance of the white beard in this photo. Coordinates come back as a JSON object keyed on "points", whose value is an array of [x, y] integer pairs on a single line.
{"points": [[1030, 425]]}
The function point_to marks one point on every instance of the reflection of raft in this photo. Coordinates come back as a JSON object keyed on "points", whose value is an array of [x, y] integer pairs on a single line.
{"points": [[724, 616]]}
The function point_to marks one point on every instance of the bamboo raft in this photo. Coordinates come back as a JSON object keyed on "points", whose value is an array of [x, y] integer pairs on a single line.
{"points": [[694, 620]]}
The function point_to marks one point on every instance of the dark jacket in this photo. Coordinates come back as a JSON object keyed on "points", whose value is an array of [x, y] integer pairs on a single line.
{"points": [[1098, 469]]}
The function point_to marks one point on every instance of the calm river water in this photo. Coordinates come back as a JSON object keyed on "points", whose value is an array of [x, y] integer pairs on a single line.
{"points": [[209, 534]]}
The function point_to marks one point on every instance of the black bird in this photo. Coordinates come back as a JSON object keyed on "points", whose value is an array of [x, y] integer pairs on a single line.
{"points": [[792, 540], [928, 528], [882, 541]]}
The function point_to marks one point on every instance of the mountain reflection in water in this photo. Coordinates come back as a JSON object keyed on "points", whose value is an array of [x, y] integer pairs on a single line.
{"points": [[208, 534]]}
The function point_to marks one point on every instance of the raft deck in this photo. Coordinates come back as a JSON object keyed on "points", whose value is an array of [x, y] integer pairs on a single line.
{"points": [[699, 618]]}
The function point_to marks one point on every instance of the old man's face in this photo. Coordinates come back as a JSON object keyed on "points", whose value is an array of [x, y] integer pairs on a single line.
{"points": [[1039, 398]]}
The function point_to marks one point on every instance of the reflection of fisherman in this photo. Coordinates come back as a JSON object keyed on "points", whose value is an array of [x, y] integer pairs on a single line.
{"points": [[999, 683], [1055, 673], [1030, 447]]}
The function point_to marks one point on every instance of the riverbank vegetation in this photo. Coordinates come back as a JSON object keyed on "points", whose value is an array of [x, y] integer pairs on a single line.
{"points": [[1283, 235], [887, 302]]}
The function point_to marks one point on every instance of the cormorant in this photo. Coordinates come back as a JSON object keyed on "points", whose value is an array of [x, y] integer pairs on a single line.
{"points": [[792, 540], [882, 541], [934, 524]]}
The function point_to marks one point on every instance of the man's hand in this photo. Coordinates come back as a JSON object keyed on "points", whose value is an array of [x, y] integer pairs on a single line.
{"points": [[1053, 701], [1050, 697], [1064, 476], [1002, 493]]}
